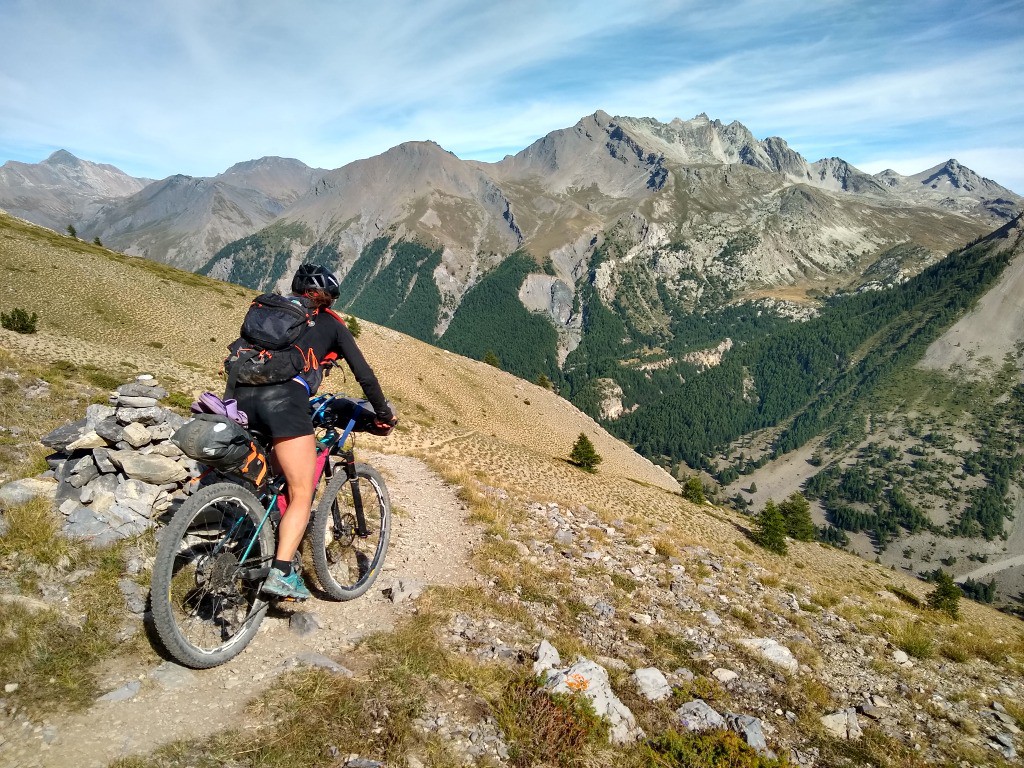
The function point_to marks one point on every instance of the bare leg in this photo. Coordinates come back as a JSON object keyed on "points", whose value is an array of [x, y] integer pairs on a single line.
{"points": [[297, 458]]}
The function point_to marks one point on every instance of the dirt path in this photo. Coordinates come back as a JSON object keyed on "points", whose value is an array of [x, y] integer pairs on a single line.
{"points": [[430, 543]]}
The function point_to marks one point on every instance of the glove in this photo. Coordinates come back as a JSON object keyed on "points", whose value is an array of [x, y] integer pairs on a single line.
{"points": [[385, 422]]}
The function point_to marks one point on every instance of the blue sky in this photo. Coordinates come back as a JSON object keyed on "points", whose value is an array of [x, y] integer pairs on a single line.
{"points": [[158, 87]]}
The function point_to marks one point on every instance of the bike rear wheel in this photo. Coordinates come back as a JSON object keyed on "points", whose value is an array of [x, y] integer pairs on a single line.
{"points": [[345, 563], [205, 586]]}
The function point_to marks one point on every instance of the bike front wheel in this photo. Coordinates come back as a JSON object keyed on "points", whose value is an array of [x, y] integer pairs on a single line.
{"points": [[346, 564], [210, 563]]}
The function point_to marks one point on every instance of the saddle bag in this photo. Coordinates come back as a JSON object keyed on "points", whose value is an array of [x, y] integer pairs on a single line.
{"points": [[220, 443]]}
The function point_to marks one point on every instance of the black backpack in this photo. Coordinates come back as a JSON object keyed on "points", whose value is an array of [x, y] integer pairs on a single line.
{"points": [[266, 352]]}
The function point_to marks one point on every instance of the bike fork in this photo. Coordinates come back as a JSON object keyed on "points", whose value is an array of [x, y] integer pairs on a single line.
{"points": [[357, 499]]}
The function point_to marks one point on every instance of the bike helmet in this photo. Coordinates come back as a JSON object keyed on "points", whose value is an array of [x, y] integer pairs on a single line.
{"points": [[312, 278]]}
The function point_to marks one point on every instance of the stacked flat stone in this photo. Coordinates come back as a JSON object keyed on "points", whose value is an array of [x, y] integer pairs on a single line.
{"points": [[116, 469]]}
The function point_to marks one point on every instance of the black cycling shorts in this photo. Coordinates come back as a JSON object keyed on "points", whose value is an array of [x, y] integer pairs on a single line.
{"points": [[276, 410]]}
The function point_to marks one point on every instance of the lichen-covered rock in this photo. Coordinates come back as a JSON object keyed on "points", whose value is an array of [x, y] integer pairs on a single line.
{"points": [[591, 680]]}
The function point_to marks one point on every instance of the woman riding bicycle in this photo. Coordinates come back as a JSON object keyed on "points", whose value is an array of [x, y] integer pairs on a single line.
{"points": [[281, 412]]}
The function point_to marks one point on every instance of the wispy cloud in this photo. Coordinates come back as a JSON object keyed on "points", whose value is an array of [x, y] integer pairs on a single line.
{"points": [[192, 86]]}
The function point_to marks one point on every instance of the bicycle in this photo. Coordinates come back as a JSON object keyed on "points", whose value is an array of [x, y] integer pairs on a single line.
{"points": [[216, 551]]}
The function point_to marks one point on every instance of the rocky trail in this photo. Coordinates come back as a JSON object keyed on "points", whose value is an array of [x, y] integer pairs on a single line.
{"points": [[148, 706]]}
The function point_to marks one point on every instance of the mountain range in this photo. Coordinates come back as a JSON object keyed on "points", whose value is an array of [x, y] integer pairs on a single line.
{"points": [[717, 300]]}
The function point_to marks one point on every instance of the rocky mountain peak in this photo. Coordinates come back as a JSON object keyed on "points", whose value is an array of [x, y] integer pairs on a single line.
{"points": [[62, 157]]}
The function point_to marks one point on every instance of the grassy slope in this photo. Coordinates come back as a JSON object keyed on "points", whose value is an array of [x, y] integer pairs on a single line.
{"points": [[459, 412], [466, 418]]}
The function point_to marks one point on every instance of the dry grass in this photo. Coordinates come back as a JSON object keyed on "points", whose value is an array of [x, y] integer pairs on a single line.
{"points": [[50, 654]]}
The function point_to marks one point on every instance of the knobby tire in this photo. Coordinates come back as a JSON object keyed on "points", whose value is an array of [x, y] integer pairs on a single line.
{"points": [[346, 565], [206, 608]]}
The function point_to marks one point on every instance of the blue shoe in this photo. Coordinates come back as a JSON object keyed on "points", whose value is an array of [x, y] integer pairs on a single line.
{"points": [[289, 586]]}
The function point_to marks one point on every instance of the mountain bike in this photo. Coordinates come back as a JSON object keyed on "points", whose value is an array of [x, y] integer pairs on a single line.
{"points": [[215, 553]]}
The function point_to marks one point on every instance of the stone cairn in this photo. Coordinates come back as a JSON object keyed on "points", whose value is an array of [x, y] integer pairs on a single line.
{"points": [[116, 470]]}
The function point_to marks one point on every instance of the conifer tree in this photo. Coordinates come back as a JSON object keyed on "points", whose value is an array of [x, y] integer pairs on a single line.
{"points": [[770, 530], [492, 359], [693, 490], [946, 595], [353, 325], [584, 455], [796, 511]]}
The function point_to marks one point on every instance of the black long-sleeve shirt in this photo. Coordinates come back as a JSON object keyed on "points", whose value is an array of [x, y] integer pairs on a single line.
{"points": [[329, 339]]}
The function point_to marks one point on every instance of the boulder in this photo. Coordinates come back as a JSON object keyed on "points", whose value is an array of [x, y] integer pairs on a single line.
{"points": [[402, 590], [652, 684], [546, 656], [109, 430], [750, 729], [86, 442], [591, 680], [103, 463], [138, 496], [94, 414], [843, 724], [22, 491], [698, 715], [150, 469], [772, 651]]}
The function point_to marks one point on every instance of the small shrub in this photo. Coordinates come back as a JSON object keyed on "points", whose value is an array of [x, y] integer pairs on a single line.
{"points": [[492, 359], [353, 325], [19, 321], [72, 232], [548, 729], [544, 381], [96, 241], [693, 490], [712, 749], [155, 344], [584, 455]]}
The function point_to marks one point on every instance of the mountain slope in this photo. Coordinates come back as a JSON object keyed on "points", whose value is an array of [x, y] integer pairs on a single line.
{"points": [[61, 189], [181, 219]]}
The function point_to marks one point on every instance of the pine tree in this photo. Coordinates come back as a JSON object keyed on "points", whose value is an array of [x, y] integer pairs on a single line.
{"points": [[796, 511], [96, 241], [72, 232], [492, 359], [353, 325], [946, 595], [693, 490], [584, 455], [544, 381], [770, 531]]}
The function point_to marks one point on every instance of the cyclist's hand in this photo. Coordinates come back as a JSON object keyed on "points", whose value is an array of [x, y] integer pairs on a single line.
{"points": [[385, 423]]}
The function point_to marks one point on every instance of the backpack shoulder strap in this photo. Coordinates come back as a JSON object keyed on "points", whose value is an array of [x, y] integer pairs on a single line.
{"points": [[233, 370]]}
